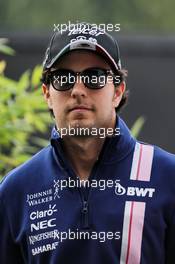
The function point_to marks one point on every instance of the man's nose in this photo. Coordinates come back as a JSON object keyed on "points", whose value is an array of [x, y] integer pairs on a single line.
{"points": [[79, 89]]}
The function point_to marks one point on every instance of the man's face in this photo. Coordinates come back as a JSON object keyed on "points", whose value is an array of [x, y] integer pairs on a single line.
{"points": [[97, 107]]}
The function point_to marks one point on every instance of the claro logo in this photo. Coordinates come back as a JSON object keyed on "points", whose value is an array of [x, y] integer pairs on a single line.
{"points": [[134, 191], [40, 214]]}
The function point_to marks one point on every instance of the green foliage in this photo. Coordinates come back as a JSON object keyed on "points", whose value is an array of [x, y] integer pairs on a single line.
{"points": [[23, 114], [137, 126], [4, 48]]}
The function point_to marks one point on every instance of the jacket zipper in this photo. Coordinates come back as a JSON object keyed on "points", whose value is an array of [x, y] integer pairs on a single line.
{"points": [[85, 194], [85, 214], [85, 198]]}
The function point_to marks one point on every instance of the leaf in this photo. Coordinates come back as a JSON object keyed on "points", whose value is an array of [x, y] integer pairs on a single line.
{"points": [[24, 81], [36, 76], [2, 66], [6, 50], [136, 128]]}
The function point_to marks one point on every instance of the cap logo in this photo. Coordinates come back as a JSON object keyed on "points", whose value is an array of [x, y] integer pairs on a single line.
{"points": [[81, 42], [92, 32], [78, 38], [93, 40]]}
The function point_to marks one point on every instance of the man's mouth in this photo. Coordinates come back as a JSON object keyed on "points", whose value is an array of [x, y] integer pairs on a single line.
{"points": [[80, 108]]}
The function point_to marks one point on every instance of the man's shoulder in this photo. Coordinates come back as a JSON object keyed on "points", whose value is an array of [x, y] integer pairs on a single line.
{"points": [[162, 158], [26, 171]]}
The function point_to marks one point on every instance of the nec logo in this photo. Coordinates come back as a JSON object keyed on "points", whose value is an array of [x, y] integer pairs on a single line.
{"points": [[134, 191], [43, 224]]}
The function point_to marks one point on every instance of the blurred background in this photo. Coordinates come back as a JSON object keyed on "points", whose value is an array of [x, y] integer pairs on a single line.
{"points": [[147, 46]]}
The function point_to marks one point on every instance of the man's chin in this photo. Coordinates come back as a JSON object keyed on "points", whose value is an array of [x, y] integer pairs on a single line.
{"points": [[80, 128], [81, 123]]}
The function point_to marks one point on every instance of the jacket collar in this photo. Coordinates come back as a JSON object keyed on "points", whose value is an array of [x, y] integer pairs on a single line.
{"points": [[115, 148]]}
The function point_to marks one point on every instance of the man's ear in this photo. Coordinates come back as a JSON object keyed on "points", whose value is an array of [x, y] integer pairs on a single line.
{"points": [[119, 91], [46, 93], [45, 89]]}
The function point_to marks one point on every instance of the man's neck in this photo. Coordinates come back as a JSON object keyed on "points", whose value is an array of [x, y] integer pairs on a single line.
{"points": [[82, 153]]}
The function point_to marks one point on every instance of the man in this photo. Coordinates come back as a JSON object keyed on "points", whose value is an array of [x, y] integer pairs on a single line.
{"points": [[95, 194]]}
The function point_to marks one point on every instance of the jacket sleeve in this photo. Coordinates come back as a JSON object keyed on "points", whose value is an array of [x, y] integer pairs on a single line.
{"points": [[9, 250], [170, 242]]}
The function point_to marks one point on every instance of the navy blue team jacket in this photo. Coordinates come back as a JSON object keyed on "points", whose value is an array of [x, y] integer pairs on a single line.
{"points": [[125, 213]]}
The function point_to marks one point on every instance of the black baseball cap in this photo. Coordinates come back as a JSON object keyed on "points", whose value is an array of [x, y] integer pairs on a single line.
{"points": [[82, 36]]}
